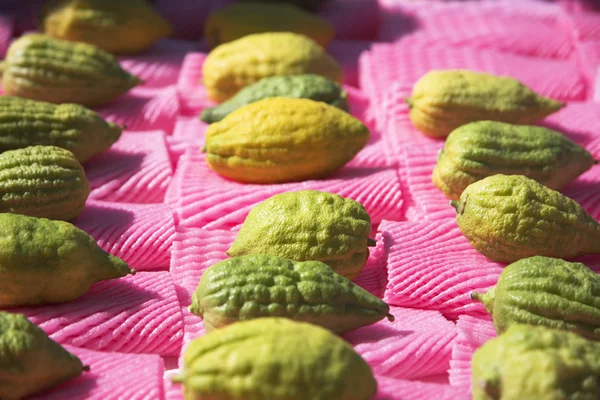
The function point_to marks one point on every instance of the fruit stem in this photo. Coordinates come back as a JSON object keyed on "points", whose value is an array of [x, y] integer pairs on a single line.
{"points": [[133, 271], [371, 242], [391, 318], [203, 149], [177, 378], [477, 296], [409, 101], [85, 368], [596, 162], [454, 204]]}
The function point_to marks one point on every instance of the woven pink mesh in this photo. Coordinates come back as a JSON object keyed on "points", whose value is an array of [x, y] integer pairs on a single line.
{"points": [[136, 169], [134, 314], [112, 376], [472, 333], [140, 234], [431, 265], [400, 389], [202, 198], [417, 344]]}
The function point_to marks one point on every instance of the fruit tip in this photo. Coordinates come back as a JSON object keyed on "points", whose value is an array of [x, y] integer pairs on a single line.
{"points": [[177, 378], [596, 162], [86, 368], [390, 317], [371, 242], [454, 204], [409, 101], [476, 296], [132, 271], [203, 149]]}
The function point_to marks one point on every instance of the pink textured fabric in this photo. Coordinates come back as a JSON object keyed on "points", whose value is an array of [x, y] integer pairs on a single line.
{"points": [[134, 314], [136, 169], [400, 389], [188, 17], [173, 391], [579, 121], [160, 65], [431, 265], [417, 344], [472, 334], [346, 53], [353, 19], [587, 26], [585, 190], [144, 109], [202, 198], [404, 63], [7, 23], [373, 276], [112, 376], [190, 91], [535, 29], [140, 234]]}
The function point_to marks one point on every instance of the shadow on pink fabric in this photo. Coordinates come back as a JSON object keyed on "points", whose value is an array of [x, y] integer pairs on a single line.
{"points": [[7, 23], [112, 376], [140, 234], [136, 169], [401, 389], [353, 19], [431, 265], [134, 314]]}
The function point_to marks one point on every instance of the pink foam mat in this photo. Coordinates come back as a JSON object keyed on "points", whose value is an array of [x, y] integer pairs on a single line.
{"points": [[140, 234], [202, 198], [416, 345], [431, 265], [401, 389], [136, 169], [160, 65], [134, 314], [112, 376]]}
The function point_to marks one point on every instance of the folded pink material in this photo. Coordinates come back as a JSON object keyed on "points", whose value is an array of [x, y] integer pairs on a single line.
{"points": [[134, 314], [112, 376], [416, 345], [136, 169], [401, 389], [585, 190], [202, 198], [140, 234], [579, 121], [431, 265]]}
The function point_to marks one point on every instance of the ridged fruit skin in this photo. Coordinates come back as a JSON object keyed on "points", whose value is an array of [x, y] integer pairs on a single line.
{"points": [[45, 262], [485, 148], [83, 132], [279, 140], [237, 64], [260, 285], [310, 5], [532, 362], [510, 217], [546, 291], [116, 26], [444, 100], [42, 181], [240, 19], [309, 86], [274, 359], [43, 68], [308, 225], [31, 362]]}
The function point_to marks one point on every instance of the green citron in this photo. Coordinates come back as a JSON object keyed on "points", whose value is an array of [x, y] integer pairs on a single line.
{"points": [[40, 67], [31, 362], [237, 64], [510, 217], [42, 181], [279, 140], [73, 127], [444, 100], [536, 363], [309, 86], [485, 148], [44, 261], [546, 291], [308, 225], [254, 286], [310, 5], [274, 359]]}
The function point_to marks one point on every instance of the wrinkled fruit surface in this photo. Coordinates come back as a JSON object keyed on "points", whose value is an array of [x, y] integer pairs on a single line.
{"points": [[280, 140], [44, 261], [274, 359], [30, 361], [485, 148], [73, 127], [237, 64], [43, 68], [308, 225], [532, 362], [309, 86], [260, 285], [444, 100]]}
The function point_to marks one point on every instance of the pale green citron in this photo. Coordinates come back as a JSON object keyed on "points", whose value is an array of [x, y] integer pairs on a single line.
{"points": [[510, 217], [484, 148], [259, 285], [534, 363], [274, 359], [546, 291], [308, 225], [30, 361]]}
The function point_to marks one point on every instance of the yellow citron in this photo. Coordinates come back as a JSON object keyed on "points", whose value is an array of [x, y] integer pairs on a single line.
{"points": [[241, 19], [235, 65], [283, 140]]}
